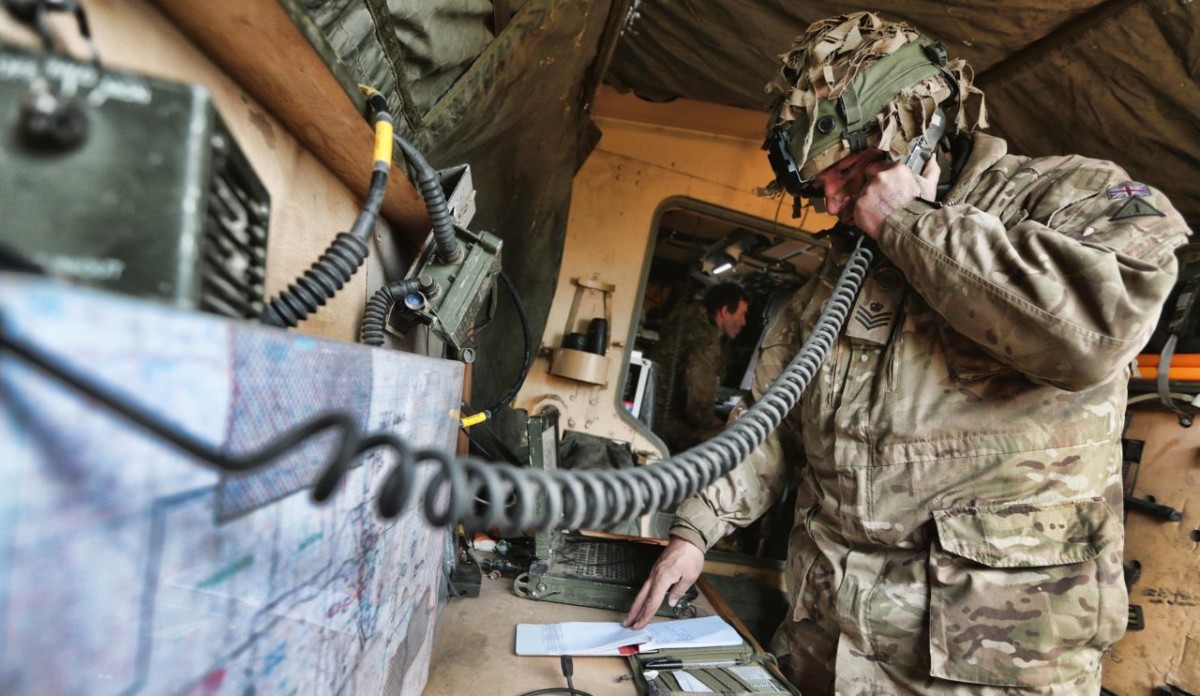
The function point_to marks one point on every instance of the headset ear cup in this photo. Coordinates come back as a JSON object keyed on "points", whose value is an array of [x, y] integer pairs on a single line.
{"points": [[780, 159], [49, 121]]}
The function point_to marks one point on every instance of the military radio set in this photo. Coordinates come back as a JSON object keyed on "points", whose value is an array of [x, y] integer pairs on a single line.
{"points": [[130, 184], [450, 288], [589, 571]]}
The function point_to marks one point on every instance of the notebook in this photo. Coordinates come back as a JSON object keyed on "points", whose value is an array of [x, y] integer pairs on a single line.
{"points": [[572, 568]]}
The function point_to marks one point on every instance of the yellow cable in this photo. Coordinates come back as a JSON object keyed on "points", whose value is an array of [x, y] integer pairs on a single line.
{"points": [[383, 131], [383, 142], [475, 419]]}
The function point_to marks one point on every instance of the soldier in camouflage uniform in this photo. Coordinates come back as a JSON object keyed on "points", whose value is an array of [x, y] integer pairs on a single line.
{"points": [[692, 362], [957, 456]]}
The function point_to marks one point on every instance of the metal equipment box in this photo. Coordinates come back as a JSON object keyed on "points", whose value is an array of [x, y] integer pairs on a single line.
{"points": [[155, 201]]}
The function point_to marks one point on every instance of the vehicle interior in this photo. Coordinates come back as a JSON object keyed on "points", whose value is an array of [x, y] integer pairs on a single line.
{"points": [[279, 234]]}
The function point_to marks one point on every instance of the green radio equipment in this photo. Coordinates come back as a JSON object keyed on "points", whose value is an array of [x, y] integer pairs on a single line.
{"points": [[463, 282], [128, 183], [588, 571]]}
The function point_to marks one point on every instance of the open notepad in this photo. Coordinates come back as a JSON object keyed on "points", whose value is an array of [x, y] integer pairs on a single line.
{"points": [[611, 638]]}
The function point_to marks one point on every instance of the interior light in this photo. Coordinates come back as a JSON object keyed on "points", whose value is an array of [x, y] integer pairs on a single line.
{"points": [[722, 261]]}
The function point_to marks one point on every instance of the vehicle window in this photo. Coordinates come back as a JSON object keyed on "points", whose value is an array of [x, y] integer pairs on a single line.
{"points": [[696, 247]]}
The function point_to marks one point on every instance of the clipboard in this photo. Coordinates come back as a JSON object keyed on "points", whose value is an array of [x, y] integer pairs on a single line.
{"points": [[755, 671], [752, 672]]}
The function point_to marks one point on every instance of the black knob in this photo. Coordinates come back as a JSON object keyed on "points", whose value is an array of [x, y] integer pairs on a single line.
{"points": [[49, 121]]}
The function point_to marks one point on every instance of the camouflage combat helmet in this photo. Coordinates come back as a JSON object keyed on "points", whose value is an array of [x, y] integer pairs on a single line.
{"points": [[856, 81]]}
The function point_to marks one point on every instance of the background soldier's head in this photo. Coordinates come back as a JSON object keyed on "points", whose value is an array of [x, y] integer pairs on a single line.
{"points": [[726, 305]]}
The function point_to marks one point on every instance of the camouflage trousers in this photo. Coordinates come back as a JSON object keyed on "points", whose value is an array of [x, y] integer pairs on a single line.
{"points": [[866, 628]]}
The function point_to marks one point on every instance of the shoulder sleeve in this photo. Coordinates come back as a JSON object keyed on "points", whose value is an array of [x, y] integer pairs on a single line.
{"points": [[754, 485], [1064, 285]]}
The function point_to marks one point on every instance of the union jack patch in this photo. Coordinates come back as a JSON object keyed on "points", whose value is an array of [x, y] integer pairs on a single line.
{"points": [[1127, 190]]}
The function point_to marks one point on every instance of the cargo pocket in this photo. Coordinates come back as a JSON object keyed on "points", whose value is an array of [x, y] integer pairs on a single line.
{"points": [[1025, 595], [810, 571]]}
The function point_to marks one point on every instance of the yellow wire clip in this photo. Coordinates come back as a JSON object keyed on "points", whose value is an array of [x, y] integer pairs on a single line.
{"points": [[383, 130], [474, 419], [383, 142]]}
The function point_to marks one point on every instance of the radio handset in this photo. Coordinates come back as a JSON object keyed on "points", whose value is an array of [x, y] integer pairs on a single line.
{"points": [[920, 149]]}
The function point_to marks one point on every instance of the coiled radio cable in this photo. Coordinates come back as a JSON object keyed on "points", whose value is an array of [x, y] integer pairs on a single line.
{"points": [[346, 254], [487, 495], [449, 250]]}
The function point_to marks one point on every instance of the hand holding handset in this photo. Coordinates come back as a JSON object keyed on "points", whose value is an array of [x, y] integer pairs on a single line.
{"points": [[920, 150]]}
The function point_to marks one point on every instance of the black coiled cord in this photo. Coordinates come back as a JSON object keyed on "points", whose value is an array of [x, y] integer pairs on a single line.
{"points": [[374, 321], [449, 250], [379, 307], [395, 492], [318, 284], [349, 249], [486, 495]]}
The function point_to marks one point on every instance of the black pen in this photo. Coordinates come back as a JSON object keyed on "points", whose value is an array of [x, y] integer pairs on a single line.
{"points": [[680, 664]]}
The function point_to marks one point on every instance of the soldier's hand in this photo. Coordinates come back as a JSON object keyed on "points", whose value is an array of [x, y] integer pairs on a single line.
{"points": [[890, 186], [673, 573]]}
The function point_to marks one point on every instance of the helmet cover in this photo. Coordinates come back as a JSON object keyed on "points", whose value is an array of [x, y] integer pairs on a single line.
{"points": [[856, 81]]}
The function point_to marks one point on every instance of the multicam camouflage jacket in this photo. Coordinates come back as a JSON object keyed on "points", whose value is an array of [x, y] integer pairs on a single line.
{"points": [[691, 363], [958, 453]]}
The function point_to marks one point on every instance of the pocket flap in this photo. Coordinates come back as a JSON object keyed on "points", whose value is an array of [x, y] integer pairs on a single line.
{"points": [[1020, 535]]}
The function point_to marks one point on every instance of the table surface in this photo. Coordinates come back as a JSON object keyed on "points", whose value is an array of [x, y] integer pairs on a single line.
{"points": [[473, 652]]}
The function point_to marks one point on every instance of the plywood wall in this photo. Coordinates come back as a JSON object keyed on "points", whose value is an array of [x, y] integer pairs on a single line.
{"points": [[1167, 650]]}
